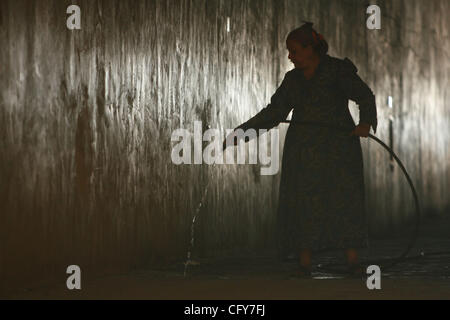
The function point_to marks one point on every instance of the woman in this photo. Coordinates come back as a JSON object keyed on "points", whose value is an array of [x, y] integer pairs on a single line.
{"points": [[321, 201]]}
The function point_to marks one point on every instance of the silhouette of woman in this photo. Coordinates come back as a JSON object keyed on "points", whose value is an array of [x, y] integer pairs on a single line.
{"points": [[321, 198]]}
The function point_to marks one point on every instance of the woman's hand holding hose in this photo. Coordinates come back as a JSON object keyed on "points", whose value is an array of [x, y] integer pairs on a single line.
{"points": [[230, 140], [361, 130]]}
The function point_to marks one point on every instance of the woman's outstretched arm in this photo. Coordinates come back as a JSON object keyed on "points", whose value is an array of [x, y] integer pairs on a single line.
{"points": [[357, 90], [275, 112]]}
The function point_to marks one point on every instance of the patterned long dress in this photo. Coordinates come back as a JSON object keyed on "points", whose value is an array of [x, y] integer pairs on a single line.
{"points": [[321, 198]]}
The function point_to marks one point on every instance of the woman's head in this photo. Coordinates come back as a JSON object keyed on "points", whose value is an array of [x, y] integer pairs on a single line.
{"points": [[305, 44]]}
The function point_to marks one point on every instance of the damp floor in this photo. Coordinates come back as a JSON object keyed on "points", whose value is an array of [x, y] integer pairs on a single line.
{"points": [[263, 277]]}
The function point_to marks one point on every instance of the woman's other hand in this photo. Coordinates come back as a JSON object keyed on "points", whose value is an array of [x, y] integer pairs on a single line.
{"points": [[361, 130]]}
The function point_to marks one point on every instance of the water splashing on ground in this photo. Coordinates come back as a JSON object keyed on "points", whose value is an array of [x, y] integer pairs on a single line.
{"points": [[194, 219]]}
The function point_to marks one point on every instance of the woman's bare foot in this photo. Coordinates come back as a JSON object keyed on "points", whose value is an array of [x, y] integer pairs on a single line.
{"points": [[352, 256], [304, 269], [354, 268]]}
